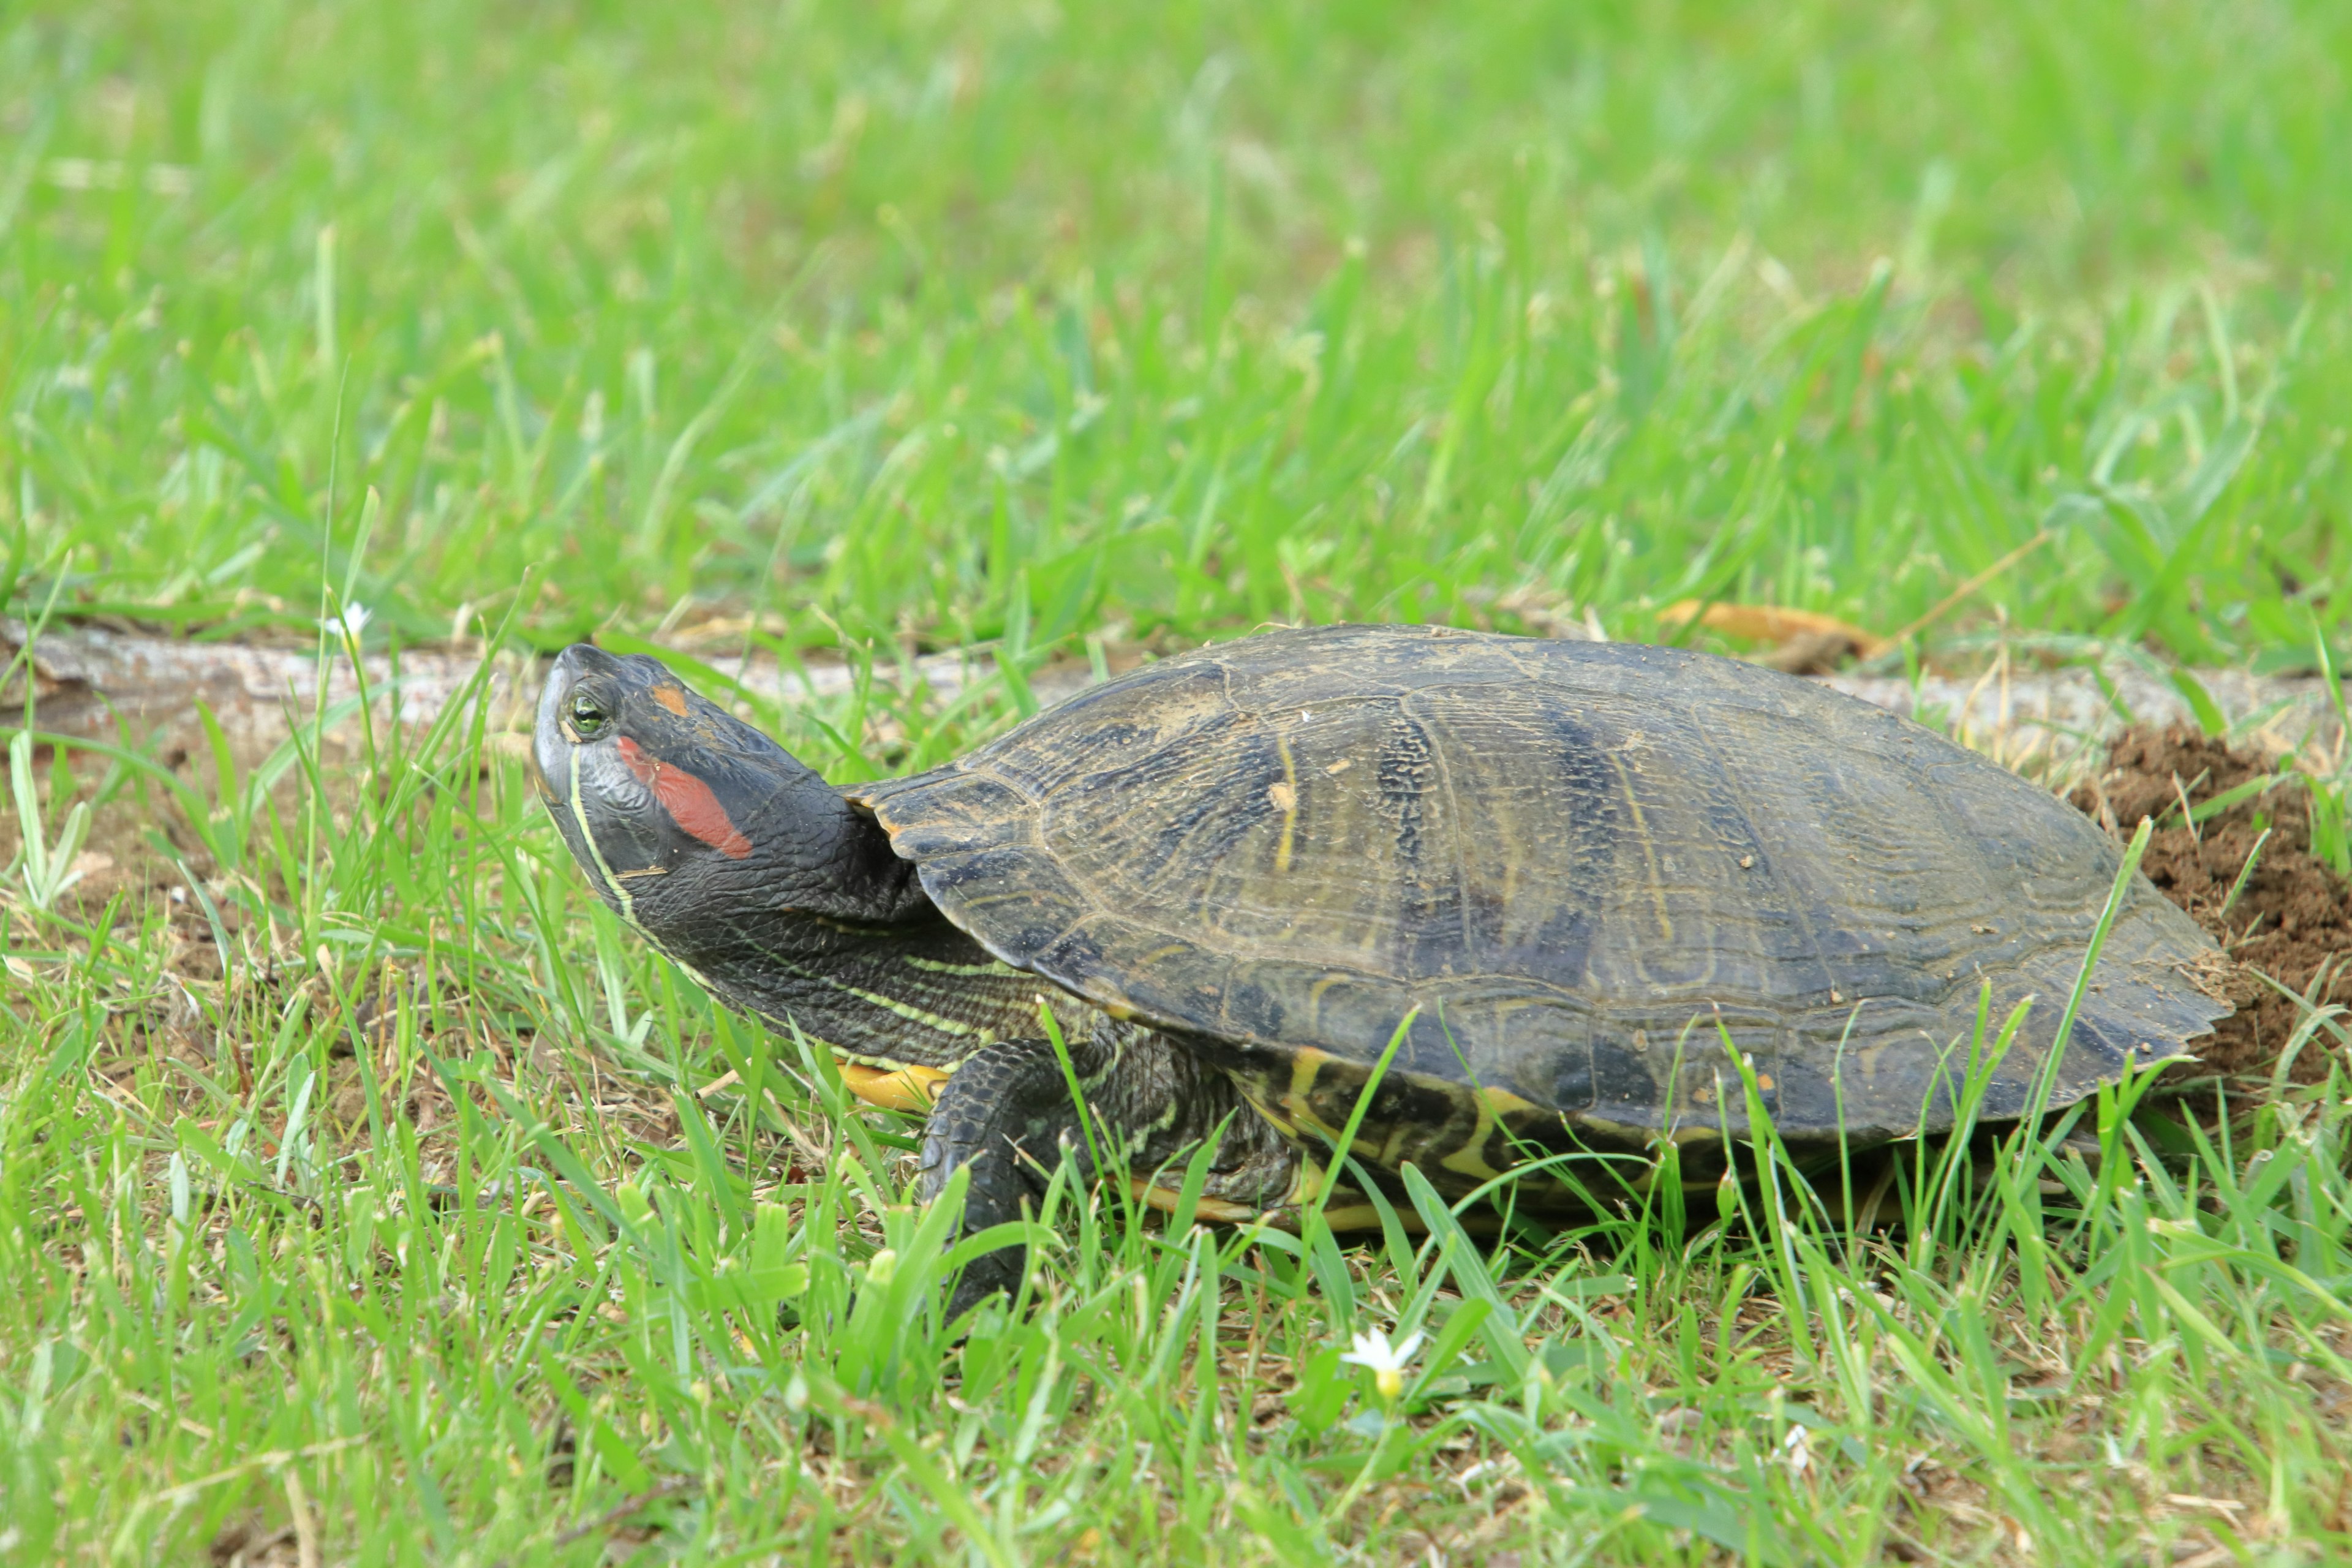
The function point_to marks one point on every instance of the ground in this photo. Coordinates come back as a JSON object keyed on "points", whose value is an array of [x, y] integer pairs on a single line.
{"points": [[373, 1197]]}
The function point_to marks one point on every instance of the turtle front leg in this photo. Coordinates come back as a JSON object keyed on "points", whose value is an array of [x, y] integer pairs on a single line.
{"points": [[1007, 1114]]}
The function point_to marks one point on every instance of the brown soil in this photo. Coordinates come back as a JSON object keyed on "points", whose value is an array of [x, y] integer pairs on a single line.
{"points": [[2293, 922]]}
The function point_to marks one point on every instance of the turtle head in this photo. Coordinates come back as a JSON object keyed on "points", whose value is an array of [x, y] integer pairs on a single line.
{"points": [[689, 822]]}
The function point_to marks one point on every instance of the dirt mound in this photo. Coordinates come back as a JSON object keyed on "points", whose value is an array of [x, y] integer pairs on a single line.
{"points": [[2293, 919]]}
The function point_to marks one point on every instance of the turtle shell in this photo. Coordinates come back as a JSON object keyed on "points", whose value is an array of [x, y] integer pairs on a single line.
{"points": [[1586, 872]]}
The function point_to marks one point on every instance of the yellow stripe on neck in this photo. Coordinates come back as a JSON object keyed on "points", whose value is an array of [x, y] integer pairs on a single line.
{"points": [[588, 836]]}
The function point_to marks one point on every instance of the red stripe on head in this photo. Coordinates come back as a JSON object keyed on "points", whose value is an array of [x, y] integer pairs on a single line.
{"points": [[688, 800]]}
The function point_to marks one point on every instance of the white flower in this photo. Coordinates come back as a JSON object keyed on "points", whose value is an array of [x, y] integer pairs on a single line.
{"points": [[1386, 1361], [348, 625]]}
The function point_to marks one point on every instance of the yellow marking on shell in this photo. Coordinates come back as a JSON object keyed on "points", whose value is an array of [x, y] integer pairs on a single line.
{"points": [[1284, 796], [672, 698], [1305, 1068], [910, 1089], [1274, 1117], [1493, 1104], [984, 901], [1649, 849], [1315, 997], [1158, 954], [1306, 1181]]}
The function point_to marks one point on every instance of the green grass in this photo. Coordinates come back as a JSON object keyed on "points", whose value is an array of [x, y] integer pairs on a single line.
{"points": [[425, 1223], [906, 322], [419, 1222]]}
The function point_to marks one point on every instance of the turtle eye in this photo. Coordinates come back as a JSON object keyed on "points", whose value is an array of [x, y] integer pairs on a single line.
{"points": [[588, 716]]}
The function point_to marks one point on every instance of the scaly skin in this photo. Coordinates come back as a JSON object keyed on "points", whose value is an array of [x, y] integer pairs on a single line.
{"points": [[1007, 1114]]}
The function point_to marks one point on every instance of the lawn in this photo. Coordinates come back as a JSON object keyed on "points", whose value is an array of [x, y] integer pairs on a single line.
{"points": [[374, 1196]]}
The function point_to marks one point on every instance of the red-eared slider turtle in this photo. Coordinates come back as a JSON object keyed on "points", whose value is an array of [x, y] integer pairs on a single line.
{"points": [[1585, 870]]}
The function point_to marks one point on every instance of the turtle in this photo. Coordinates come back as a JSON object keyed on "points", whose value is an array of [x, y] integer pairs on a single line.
{"points": [[1548, 900]]}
